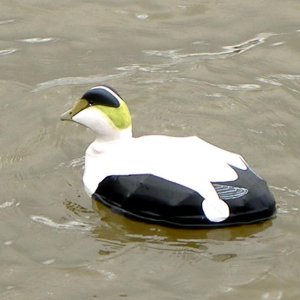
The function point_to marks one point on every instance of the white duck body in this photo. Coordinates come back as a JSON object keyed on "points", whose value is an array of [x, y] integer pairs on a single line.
{"points": [[186, 161]]}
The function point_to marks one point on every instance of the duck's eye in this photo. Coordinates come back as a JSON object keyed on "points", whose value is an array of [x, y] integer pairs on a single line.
{"points": [[91, 102]]}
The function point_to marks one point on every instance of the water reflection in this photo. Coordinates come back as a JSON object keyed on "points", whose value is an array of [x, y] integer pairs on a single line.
{"points": [[116, 232]]}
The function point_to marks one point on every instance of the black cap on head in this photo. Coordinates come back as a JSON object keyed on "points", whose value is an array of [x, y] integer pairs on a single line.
{"points": [[102, 95]]}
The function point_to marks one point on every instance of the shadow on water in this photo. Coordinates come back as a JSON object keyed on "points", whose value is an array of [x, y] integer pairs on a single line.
{"points": [[141, 230], [117, 233]]}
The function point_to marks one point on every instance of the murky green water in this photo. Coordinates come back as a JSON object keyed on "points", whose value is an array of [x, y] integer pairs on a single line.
{"points": [[227, 71]]}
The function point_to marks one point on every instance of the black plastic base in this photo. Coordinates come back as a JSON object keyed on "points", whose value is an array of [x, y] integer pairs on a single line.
{"points": [[153, 199]]}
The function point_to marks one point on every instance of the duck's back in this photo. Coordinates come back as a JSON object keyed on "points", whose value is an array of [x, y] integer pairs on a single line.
{"points": [[189, 161]]}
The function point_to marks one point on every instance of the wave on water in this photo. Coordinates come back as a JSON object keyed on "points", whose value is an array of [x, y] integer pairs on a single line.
{"points": [[290, 81], [3, 22], [75, 81], [231, 50], [7, 51], [37, 40], [175, 57], [9, 204], [72, 225]]}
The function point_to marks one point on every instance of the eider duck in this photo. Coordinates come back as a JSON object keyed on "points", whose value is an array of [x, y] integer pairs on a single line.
{"points": [[174, 181]]}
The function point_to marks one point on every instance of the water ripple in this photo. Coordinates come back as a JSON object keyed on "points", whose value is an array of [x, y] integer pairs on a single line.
{"points": [[289, 81], [75, 81], [239, 87], [9, 204], [73, 225], [174, 55], [77, 162], [74, 163], [7, 51], [286, 76], [269, 81], [227, 50], [7, 21], [12, 158], [147, 68], [286, 190], [142, 17], [37, 40]]}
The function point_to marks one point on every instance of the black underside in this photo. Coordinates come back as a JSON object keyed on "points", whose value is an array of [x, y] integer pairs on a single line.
{"points": [[153, 199]]}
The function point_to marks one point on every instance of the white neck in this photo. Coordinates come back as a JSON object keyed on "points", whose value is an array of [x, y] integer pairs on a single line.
{"points": [[103, 143]]}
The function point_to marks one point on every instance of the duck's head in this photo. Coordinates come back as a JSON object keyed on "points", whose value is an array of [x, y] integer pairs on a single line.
{"points": [[102, 110]]}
